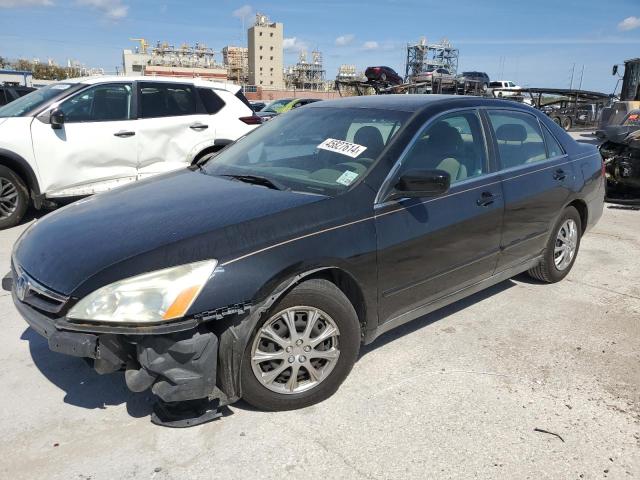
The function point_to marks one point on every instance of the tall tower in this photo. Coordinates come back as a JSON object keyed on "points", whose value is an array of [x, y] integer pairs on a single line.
{"points": [[265, 53]]}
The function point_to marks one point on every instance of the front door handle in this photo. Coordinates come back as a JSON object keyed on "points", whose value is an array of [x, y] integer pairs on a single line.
{"points": [[559, 175], [198, 126], [124, 134], [486, 199]]}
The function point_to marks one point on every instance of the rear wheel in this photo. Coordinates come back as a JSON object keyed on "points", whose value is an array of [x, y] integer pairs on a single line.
{"points": [[14, 198], [556, 120], [561, 250], [301, 353], [567, 123]]}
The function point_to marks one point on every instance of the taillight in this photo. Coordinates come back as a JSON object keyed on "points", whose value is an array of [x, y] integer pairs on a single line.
{"points": [[251, 120]]}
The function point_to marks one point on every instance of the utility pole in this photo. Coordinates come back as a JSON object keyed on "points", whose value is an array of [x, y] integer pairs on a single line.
{"points": [[581, 75], [572, 72]]}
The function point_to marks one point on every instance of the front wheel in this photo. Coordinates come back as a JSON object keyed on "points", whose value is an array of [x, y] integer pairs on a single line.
{"points": [[303, 350], [14, 198], [561, 250]]}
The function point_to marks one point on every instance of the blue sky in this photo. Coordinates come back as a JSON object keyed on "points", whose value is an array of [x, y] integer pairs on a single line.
{"points": [[534, 43]]}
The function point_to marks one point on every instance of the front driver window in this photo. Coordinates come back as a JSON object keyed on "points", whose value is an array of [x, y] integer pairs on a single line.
{"points": [[453, 143], [102, 103]]}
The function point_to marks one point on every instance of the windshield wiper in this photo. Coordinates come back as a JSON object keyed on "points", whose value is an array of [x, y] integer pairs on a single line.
{"points": [[258, 180]]}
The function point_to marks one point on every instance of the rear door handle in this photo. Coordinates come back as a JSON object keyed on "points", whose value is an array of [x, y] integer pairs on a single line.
{"points": [[486, 199], [198, 126], [559, 175], [124, 134]]}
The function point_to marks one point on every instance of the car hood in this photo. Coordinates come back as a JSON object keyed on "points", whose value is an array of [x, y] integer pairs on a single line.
{"points": [[157, 223]]}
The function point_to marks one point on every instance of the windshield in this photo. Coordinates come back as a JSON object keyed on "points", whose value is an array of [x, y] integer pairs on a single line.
{"points": [[320, 150], [277, 105], [33, 100]]}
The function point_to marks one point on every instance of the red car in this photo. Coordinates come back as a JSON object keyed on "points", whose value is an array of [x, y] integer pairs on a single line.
{"points": [[383, 74]]}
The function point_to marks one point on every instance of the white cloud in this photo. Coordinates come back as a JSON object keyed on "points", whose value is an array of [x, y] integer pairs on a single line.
{"points": [[293, 45], [243, 12], [629, 23], [112, 9], [370, 45], [25, 3], [344, 40]]}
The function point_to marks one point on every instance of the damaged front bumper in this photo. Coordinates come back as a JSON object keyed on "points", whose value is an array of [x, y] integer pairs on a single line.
{"points": [[178, 363]]}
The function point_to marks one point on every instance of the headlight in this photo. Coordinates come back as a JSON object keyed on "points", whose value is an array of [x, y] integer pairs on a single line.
{"points": [[152, 297]]}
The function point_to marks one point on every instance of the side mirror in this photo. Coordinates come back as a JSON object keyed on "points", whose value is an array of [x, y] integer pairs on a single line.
{"points": [[421, 183], [615, 70], [56, 119]]}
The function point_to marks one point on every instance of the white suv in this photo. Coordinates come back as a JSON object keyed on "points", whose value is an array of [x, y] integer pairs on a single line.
{"points": [[84, 136]]}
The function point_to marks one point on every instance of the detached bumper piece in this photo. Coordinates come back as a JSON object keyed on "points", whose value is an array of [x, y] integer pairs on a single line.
{"points": [[181, 370]]}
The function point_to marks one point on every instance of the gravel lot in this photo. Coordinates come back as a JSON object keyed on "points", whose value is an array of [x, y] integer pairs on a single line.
{"points": [[457, 394]]}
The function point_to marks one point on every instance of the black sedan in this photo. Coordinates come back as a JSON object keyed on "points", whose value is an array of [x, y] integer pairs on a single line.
{"points": [[259, 274]]}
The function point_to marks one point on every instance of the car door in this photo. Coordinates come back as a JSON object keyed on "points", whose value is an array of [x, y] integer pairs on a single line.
{"points": [[173, 127], [429, 248], [537, 182], [96, 147]]}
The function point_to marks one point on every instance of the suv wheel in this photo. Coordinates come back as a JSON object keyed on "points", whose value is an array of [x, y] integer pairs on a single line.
{"points": [[301, 353], [561, 250], [14, 198]]}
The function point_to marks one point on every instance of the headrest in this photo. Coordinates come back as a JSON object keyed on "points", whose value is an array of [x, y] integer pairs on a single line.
{"points": [[444, 136], [511, 132]]}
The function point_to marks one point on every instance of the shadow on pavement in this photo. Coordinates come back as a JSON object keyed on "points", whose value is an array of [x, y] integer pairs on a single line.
{"points": [[433, 317], [83, 386]]}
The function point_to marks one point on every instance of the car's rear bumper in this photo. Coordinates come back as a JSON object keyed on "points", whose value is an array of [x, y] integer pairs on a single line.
{"points": [[177, 366]]}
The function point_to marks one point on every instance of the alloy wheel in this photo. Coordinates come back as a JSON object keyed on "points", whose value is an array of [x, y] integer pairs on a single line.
{"points": [[8, 198], [295, 350], [566, 244]]}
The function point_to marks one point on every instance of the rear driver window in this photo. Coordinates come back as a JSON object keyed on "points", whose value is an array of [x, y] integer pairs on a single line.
{"points": [[519, 138], [166, 100]]}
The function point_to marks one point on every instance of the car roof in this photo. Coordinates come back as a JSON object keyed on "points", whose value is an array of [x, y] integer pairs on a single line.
{"points": [[230, 87], [407, 103], [418, 102]]}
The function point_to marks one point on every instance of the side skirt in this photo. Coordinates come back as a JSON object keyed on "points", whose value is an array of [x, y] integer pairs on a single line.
{"points": [[450, 298]]}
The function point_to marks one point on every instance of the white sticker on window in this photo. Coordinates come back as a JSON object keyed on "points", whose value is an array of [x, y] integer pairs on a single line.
{"points": [[60, 86], [341, 146], [347, 178]]}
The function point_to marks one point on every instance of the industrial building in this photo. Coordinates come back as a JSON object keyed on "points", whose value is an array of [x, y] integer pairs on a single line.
{"points": [[307, 74], [423, 56], [265, 39], [236, 60], [166, 59]]}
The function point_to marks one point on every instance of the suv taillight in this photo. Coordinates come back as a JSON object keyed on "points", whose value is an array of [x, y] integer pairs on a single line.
{"points": [[251, 120]]}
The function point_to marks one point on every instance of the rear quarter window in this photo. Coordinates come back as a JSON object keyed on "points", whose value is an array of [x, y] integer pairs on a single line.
{"points": [[211, 101]]}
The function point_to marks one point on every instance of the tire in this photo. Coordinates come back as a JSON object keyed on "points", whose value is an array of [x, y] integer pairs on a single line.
{"points": [[14, 198], [556, 120], [547, 270], [567, 123], [281, 393], [383, 77]]}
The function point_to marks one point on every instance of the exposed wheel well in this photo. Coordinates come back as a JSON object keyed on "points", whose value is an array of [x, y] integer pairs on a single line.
{"points": [[24, 172], [207, 151], [350, 288], [581, 206]]}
